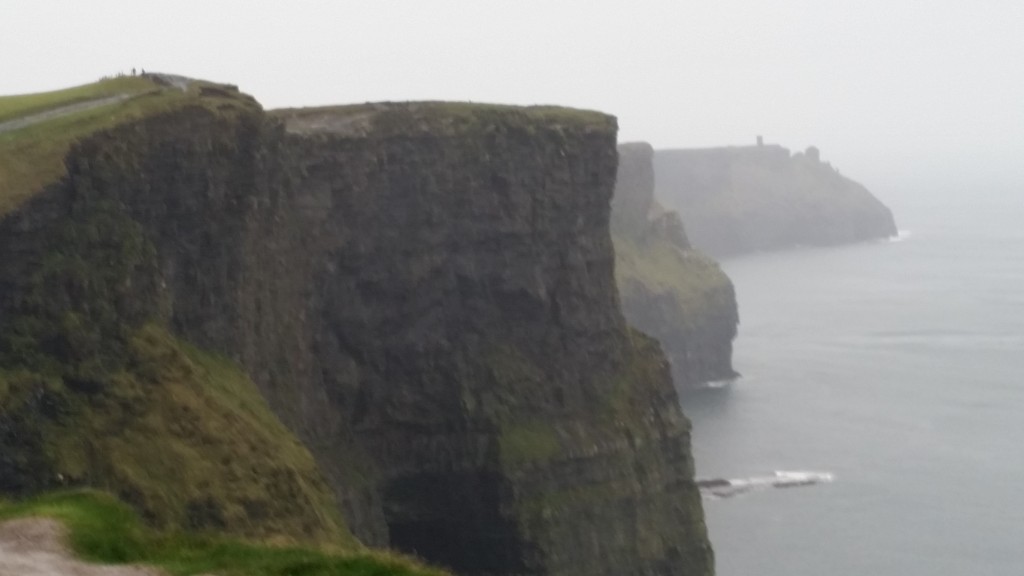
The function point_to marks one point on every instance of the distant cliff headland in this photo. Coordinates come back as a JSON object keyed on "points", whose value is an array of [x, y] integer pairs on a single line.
{"points": [[743, 199], [396, 323], [669, 290]]}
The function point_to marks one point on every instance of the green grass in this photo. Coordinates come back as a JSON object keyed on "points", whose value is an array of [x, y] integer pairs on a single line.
{"points": [[12, 107], [528, 442], [183, 435], [103, 530], [33, 156], [661, 267], [636, 383]]}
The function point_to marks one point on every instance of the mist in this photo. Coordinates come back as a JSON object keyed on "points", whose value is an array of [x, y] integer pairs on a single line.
{"points": [[905, 95], [836, 336]]}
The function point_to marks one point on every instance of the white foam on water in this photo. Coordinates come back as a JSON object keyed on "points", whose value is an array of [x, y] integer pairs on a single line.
{"points": [[718, 488]]}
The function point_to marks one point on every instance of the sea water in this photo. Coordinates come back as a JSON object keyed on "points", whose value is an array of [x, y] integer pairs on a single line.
{"points": [[895, 367]]}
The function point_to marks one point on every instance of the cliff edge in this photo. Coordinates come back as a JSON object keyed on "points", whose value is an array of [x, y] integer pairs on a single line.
{"points": [[743, 199], [668, 289]]}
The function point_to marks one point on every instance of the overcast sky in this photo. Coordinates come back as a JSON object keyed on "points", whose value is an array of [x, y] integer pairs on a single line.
{"points": [[892, 91]]}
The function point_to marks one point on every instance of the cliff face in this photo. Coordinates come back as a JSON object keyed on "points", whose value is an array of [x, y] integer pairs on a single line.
{"points": [[745, 199], [468, 332], [669, 290], [423, 293], [143, 234]]}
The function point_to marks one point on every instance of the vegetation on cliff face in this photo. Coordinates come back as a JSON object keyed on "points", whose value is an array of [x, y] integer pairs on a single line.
{"points": [[744, 199], [629, 465], [668, 290], [103, 530], [695, 281], [180, 434]]}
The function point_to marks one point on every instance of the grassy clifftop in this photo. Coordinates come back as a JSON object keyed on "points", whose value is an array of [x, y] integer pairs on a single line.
{"points": [[19, 106], [437, 118], [32, 155]]}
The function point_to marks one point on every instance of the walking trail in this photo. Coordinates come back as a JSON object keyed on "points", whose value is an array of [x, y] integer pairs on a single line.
{"points": [[24, 121], [35, 547]]}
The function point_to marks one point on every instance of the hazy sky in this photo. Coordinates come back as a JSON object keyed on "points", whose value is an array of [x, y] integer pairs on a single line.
{"points": [[892, 91]]}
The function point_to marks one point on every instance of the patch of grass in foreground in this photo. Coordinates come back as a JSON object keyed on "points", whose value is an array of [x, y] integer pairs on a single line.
{"points": [[103, 530]]}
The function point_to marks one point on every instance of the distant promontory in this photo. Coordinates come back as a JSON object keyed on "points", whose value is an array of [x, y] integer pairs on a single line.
{"points": [[668, 290], [740, 199]]}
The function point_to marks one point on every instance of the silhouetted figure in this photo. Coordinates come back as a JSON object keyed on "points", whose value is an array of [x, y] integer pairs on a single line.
{"points": [[760, 141], [133, 71]]}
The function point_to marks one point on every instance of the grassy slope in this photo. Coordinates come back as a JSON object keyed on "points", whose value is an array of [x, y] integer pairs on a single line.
{"points": [[692, 278], [103, 530], [12, 107], [33, 156], [624, 406], [183, 435]]}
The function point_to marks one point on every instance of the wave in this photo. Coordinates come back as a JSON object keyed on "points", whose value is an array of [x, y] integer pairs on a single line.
{"points": [[716, 488], [900, 236]]}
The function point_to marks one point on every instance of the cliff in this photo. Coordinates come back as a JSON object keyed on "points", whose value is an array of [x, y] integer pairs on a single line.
{"points": [[669, 290], [751, 198], [94, 389], [422, 293]]}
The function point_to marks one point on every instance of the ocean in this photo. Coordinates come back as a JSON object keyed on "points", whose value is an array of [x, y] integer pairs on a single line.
{"points": [[898, 368]]}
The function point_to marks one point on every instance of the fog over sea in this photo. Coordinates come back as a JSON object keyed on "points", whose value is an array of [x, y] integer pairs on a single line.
{"points": [[899, 368]]}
